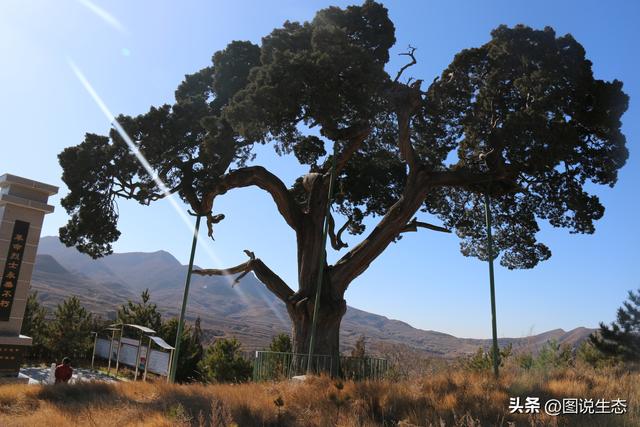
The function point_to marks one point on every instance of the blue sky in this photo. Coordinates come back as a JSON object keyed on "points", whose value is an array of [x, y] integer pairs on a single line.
{"points": [[136, 55]]}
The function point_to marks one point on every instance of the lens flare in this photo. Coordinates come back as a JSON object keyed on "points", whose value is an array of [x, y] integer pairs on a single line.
{"points": [[111, 20], [161, 185]]}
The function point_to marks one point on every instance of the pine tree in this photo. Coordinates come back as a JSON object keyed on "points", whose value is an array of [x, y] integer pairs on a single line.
{"points": [[142, 313], [34, 325], [281, 343], [223, 362], [69, 333], [621, 340], [359, 350], [191, 350], [100, 324]]}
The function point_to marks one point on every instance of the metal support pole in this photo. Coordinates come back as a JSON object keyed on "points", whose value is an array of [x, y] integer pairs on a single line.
{"points": [[113, 335], [494, 328], [135, 376], [185, 297], [93, 355], [146, 360], [119, 347], [170, 363], [323, 255]]}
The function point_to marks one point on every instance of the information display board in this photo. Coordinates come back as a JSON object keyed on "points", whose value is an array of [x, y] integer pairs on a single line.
{"points": [[158, 360]]}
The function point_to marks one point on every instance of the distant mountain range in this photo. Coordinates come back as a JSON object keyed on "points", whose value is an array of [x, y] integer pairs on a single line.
{"points": [[247, 311]]}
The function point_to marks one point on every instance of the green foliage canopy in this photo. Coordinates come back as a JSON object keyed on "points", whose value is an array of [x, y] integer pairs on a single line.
{"points": [[521, 117]]}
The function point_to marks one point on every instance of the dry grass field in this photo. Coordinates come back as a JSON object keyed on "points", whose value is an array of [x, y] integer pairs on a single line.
{"points": [[451, 397]]}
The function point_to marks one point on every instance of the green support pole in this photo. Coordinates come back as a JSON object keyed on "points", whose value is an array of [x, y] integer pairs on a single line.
{"points": [[185, 297], [494, 328], [323, 255]]}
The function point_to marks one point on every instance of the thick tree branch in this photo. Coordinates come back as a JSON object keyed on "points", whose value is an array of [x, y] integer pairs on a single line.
{"points": [[466, 177], [406, 99], [396, 220], [213, 219], [271, 280], [353, 136], [354, 142], [357, 260], [143, 196], [187, 186], [336, 239], [261, 178], [404, 139], [415, 224]]}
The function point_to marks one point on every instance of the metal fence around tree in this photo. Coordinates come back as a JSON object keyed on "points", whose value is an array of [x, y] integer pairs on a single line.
{"points": [[272, 365]]}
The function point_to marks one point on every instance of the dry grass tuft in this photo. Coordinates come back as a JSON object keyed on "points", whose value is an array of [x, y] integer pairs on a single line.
{"points": [[451, 397]]}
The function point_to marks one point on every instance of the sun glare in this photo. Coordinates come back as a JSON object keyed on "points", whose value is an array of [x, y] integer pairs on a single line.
{"points": [[161, 185]]}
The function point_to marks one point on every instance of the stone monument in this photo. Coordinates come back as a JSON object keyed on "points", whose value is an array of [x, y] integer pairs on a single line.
{"points": [[23, 205]]}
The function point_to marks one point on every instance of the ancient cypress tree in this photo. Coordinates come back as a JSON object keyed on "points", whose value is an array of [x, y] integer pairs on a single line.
{"points": [[521, 117]]}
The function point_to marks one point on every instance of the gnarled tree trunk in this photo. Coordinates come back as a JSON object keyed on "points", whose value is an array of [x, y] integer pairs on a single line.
{"points": [[327, 336], [308, 221]]}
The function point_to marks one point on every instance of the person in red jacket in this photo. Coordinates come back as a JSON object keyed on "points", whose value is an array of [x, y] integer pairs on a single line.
{"points": [[63, 371]]}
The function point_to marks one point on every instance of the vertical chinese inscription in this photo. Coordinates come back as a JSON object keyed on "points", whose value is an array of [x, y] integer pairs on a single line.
{"points": [[12, 268]]}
